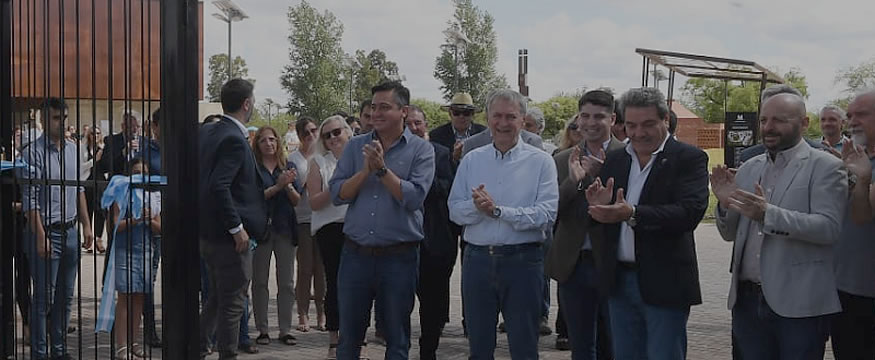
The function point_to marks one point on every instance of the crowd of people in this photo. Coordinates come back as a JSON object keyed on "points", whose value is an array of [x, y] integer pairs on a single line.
{"points": [[374, 211]]}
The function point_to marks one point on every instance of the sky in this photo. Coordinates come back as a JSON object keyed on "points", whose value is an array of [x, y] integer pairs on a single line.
{"points": [[572, 44]]}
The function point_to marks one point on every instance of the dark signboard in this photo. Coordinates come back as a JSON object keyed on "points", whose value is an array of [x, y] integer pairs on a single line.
{"points": [[741, 133]]}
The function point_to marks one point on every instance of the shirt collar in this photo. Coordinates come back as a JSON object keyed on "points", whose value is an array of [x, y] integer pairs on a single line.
{"points": [[465, 134], [239, 125], [510, 152], [788, 153], [42, 141], [631, 151], [405, 136]]}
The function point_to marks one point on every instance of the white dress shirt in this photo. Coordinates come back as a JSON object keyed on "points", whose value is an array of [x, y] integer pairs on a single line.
{"points": [[637, 179]]}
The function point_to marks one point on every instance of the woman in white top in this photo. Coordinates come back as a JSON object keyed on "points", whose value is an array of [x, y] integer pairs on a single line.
{"points": [[327, 219], [310, 268]]}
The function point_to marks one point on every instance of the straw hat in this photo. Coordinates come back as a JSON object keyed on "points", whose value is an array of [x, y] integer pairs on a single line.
{"points": [[461, 100]]}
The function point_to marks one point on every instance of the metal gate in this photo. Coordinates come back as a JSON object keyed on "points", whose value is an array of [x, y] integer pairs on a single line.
{"points": [[74, 72]]}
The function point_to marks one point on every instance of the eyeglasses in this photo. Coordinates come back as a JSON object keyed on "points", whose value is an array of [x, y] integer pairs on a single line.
{"points": [[462, 112], [332, 133]]}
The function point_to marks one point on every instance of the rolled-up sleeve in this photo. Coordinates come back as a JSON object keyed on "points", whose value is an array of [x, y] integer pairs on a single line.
{"points": [[462, 209], [345, 169], [415, 188], [542, 213], [30, 191]]}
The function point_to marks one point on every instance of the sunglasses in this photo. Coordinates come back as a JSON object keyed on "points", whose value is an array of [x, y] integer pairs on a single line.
{"points": [[462, 112], [572, 126], [332, 133]]}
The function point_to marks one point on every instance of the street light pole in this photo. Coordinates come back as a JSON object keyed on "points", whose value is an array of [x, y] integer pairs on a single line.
{"points": [[230, 13]]}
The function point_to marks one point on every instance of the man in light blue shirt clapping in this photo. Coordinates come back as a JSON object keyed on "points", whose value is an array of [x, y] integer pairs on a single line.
{"points": [[505, 195]]}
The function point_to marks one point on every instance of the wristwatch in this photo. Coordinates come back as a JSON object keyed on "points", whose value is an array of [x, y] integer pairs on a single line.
{"points": [[496, 213], [632, 221], [381, 172]]}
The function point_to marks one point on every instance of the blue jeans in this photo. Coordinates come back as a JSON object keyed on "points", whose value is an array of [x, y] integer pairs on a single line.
{"points": [[762, 334], [580, 306], [507, 280], [244, 339], [391, 280], [53, 282], [643, 331]]}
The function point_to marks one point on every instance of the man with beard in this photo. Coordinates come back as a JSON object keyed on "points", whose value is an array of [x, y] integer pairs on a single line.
{"points": [[783, 211], [853, 329]]}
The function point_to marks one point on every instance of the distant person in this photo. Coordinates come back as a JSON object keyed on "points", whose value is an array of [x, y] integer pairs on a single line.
{"points": [[461, 126], [365, 113], [832, 121], [571, 136]]}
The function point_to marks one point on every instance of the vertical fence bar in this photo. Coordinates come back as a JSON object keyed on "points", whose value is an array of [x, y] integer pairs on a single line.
{"points": [[179, 94], [7, 308]]}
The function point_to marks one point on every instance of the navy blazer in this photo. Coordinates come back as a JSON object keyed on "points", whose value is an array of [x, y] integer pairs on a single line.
{"points": [[439, 239], [673, 201], [231, 190]]}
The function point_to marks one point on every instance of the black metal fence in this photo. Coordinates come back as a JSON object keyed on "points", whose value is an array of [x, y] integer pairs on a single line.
{"points": [[112, 63]]}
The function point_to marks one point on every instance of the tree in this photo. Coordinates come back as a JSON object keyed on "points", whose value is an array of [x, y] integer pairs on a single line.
{"points": [[705, 97], [436, 115], [314, 78], [219, 74], [369, 69], [854, 79], [557, 110], [476, 60]]}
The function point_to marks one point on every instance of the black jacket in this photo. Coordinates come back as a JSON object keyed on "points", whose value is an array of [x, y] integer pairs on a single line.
{"points": [[445, 136], [436, 226], [231, 190], [673, 201]]}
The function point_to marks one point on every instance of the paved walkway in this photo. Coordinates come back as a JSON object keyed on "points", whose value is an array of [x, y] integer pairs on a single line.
{"points": [[708, 327]]}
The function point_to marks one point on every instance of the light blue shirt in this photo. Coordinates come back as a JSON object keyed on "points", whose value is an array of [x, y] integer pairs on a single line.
{"points": [[46, 162], [522, 182], [375, 217]]}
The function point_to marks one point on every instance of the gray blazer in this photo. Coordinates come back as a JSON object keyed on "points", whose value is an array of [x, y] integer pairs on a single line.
{"points": [[485, 138], [802, 223]]}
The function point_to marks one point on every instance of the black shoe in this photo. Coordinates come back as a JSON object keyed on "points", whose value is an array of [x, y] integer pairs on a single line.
{"points": [[62, 357], [562, 344], [70, 330], [545, 329], [153, 341]]}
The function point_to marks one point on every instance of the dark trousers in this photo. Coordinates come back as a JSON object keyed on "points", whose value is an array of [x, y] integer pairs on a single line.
{"points": [[229, 273], [330, 239], [22, 280], [94, 210], [149, 302], [433, 291], [761, 334], [853, 330]]}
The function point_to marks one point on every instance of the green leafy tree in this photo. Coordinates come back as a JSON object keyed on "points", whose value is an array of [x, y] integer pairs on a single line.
{"points": [[314, 78], [369, 69], [433, 112], [705, 97], [218, 66], [854, 79], [557, 110], [476, 72]]}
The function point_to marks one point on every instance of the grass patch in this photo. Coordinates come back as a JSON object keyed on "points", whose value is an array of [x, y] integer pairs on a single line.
{"points": [[715, 157]]}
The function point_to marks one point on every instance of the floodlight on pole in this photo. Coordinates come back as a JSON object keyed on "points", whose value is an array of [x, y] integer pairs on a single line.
{"points": [[456, 39], [230, 13]]}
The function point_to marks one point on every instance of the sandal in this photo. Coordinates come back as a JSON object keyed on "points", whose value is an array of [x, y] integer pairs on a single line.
{"points": [[137, 350], [122, 353], [263, 339], [288, 339], [99, 246], [303, 324]]}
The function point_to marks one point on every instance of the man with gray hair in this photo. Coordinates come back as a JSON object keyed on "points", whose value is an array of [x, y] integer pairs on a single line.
{"points": [[832, 120], [505, 195], [534, 123], [853, 329], [647, 200]]}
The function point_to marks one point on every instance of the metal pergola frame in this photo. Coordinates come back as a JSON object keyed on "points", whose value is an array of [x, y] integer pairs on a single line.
{"points": [[708, 67]]}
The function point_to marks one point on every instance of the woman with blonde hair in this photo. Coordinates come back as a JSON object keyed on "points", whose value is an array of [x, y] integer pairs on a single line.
{"points": [[280, 240], [570, 135], [327, 219]]}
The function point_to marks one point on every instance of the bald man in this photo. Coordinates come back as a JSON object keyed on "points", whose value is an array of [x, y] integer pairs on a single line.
{"points": [[783, 210]]}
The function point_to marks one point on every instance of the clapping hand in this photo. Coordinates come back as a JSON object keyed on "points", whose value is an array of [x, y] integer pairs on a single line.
{"points": [[856, 160], [722, 183], [753, 206], [373, 154], [619, 211], [457, 151], [482, 200], [596, 194], [287, 177]]}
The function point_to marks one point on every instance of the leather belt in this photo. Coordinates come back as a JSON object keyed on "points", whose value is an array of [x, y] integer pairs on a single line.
{"points": [[380, 250], [505, 249], [62, 226]]}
